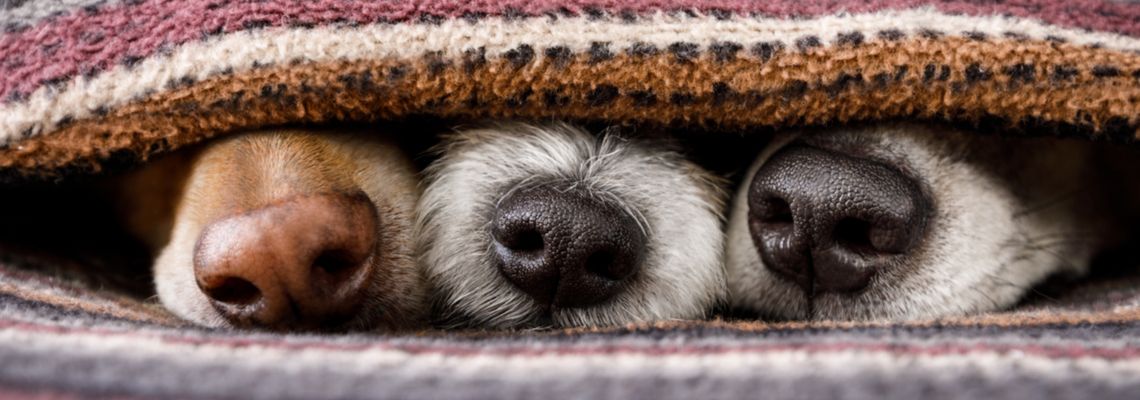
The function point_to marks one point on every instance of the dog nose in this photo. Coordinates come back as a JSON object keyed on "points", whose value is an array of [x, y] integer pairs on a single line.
{"points": [[301, 263], [566, 248], [830, 221]]}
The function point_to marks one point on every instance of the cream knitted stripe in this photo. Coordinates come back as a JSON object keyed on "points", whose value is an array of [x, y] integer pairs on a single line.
{"points": [[82, 97]]}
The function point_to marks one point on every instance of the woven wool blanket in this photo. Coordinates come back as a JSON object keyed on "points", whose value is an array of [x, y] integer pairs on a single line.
{"points": [[87, 85]]}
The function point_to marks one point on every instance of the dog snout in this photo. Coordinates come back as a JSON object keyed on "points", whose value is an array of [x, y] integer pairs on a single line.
{"points": [[565, 248], [300, 263], [829, 221]]}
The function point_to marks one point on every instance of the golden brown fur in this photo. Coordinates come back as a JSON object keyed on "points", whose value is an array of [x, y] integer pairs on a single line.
{"points": [[168, 203]]}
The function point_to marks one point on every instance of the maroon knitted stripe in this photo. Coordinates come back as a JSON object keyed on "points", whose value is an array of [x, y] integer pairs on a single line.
{"points": [[91, 41]]}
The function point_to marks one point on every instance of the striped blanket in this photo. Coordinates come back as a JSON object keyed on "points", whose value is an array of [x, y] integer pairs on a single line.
{"points": [[87, 85]]}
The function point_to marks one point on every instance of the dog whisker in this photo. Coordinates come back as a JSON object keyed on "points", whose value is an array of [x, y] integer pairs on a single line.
{"points": [[1060, 199]]}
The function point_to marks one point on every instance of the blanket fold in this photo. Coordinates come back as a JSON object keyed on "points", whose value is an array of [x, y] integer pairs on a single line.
{"points": [[86, 84], [136, 78]]}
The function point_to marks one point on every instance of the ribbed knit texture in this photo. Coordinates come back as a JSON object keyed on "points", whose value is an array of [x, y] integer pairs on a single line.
{"points": [[133, 78], [87, 82]]}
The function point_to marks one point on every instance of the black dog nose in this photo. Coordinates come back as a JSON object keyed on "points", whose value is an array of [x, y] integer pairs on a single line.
{"points": [[565, 248], [829, 221]]}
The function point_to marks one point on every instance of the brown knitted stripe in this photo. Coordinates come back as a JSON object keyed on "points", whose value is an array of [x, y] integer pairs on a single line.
{"points": [[1027, 84]]}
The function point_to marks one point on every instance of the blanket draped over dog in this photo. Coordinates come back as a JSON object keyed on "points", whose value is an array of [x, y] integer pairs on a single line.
{"points": [[85, 84]]}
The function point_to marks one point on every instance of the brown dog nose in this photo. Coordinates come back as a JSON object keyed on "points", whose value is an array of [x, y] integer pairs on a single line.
{"points": [[302, 263], [565, 248], [829, 221]]}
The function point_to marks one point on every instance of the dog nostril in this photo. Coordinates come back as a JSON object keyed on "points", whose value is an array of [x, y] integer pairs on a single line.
{"points": [[336, 263], [525, 241], [855, 235], [775, 210], [604, 264], [235, 291]]}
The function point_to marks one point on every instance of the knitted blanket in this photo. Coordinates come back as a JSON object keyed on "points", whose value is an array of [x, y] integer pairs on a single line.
{"points": [[86, 85]]}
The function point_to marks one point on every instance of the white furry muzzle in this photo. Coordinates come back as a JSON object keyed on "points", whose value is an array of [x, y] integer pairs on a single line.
{"points": [[674, 204]]}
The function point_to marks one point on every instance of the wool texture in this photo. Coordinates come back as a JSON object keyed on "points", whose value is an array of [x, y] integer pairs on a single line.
{"points": [[62, 339], [85, 84], [77, 87]]}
